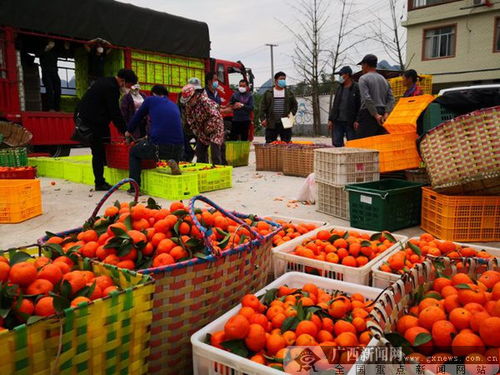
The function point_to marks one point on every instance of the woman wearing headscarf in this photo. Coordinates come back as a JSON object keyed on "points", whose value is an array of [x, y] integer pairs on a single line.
{"points": [[129, 105]]}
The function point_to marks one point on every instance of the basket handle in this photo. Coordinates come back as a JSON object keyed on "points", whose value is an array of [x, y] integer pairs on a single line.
{"points": [[130, 181], [207, 232]]}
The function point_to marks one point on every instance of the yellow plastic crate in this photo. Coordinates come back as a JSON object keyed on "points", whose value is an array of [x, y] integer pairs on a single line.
{"points": [[20, 200], [398, 89], [404, 116]]}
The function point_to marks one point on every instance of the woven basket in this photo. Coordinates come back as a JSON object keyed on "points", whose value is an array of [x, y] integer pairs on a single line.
{"points": [[108, 336], [462, 155], [190, 294], [399, 297], [269, 157], [298, 160]]}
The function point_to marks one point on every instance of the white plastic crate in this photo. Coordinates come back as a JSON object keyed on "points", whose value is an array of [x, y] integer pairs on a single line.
{"points": [[209, 360], [333, 200], [383, 279], [284, 261], [295, 220], [345, 165]]}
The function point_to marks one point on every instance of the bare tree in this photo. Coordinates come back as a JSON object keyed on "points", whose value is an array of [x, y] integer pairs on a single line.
{"points": [[344, 40], [392, 35], [308, 56]]}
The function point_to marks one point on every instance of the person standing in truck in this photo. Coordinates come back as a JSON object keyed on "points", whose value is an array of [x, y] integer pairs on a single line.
{"points": [[97, 49], [206, 122], [345, 108], [277, 103], [98, 107], [50, 74], [242, 103], [377, 100]]}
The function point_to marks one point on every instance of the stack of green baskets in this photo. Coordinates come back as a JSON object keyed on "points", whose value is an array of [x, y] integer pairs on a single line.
{"points": [[14, 157]]}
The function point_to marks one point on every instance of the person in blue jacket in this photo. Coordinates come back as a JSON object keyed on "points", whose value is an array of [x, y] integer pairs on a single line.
{"points": [[165, 139]]}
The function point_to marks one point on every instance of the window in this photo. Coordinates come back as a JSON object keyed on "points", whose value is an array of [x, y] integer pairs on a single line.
{"points": [[415, 4], [66, 71], [220, 73], [496, 46], [440, 42]]}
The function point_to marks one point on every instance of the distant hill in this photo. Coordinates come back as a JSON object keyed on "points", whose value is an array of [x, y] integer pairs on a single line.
{"points": [[266, 86], [383, 64]]}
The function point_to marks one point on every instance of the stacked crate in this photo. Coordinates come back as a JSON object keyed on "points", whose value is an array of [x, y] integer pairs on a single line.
{"points": [[334, 168]]}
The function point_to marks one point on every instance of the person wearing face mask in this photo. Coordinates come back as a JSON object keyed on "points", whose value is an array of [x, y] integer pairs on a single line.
{"points": [[277, 103], [50, 75], [242, 102], [97, 49], [129, 105], [211, 87], [99, 106], [205, 120], [344, 109], [165, 139]]}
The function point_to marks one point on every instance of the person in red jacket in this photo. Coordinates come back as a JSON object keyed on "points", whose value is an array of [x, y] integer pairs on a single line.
{"points": [[410, 81]]}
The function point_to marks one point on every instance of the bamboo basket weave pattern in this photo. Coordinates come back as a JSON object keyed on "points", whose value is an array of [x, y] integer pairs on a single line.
{"points": [[299, 160], [463, 155], [269, 157], [108, 336]]}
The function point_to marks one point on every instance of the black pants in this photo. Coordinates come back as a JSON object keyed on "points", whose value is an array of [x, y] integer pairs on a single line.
{"points": [[98, 158], [341, 128], [218, 153], [144, 150], [272, 134], [52, 84], [368, 125], [239, 130]]}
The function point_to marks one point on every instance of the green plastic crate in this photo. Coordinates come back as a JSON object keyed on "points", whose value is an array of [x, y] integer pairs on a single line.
{"points": [[14, 157], [385, 205], [170, 187], [436, 114], [237, 153], [41, 165], [72, 171], [215, 179]]}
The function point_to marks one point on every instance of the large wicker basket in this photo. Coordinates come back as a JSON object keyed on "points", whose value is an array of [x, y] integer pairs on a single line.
{"points": [[298, 160], [463, 155], [190, 294], [269, 157]]}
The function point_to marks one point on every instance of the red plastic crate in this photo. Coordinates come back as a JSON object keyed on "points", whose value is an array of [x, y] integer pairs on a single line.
{"points": [[17, 173], [117, 156]]}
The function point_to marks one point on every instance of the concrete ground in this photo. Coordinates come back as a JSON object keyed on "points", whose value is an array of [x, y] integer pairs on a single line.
{"points": [[67, 205]]}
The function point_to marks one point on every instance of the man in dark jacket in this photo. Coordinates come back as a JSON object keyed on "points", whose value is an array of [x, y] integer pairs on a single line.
{"points": [[345, 109], [98, 107], [277, 102]]}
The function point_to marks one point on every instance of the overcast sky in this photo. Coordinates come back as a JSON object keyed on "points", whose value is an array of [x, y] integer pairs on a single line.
{"points": [[239, 29]]}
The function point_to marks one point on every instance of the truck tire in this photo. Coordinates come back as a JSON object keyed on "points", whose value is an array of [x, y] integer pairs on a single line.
{"points": [[54, 151]]}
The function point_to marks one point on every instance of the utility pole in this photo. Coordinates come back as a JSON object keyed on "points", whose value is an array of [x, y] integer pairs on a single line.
{"points": [[272, 60]]}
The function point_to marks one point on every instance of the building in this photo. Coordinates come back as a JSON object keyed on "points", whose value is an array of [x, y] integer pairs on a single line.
{"points": [[457, 41]]}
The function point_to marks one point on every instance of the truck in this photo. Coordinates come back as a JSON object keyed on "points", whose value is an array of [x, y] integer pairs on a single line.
{"points": [[161, 48]]}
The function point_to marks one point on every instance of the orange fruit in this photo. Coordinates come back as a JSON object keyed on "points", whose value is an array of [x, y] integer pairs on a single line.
{"points": [[278, 320], [346, 339], [103, 281], [344, 326], [289, 337], [327, 324], [76, 301], [258, 358], [251, 301], [39, 286], [359, 323], [126, 264], [308, 327], [236, 327], [461, 278], [474, 307], [50, 272], [489, 330], [448, 291], [412, 333], [365, 337], [274, 343], [443, 332], [40, 262], [440, 283], [477, 319], [426, 302], [256, 338], [89, 249], [430, 315], [111, 211], [324, 336], [217, 338], [460, 318], [247, 312], [406, 322], [323, 235], [109, 290], [451, 302], [305, 340], [163, 260], [25, 307], [259, 319], [4, 271], [466, 343], [471, 294], [489, 278], [338, 309], [45, 307], [76, 280], [23, 273], [273, 311]]}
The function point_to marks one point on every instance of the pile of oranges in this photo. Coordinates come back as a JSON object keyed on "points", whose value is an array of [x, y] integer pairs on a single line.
{"points": [[135, 236], [349, 248], [290, 231], [416, 251], [458, 317], [264, 329], [33, 289]]}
